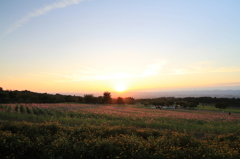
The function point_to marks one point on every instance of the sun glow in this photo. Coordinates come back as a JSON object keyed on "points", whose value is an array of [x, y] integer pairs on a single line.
{"points": [[120, 87]]}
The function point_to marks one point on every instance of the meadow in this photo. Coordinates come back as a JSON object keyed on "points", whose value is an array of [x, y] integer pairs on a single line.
{"points": [[116, 131]]}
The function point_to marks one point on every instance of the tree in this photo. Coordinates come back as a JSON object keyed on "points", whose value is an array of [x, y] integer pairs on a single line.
{"points": [[221, 105], [89, 98], [13, 95], [182, 104], [120, 100], [192, 104], [80, 99], [107, 98], [129, 100], [100, 99], [145, 103], [59, 98], [157, 103], [4, 97], [70, 98]]}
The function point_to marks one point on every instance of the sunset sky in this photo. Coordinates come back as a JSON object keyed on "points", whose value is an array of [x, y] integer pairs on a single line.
{"points": [[91, 46]]}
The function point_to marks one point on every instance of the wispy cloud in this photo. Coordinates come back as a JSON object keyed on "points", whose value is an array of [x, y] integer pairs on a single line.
{"points": [[203, 67], [155, 69], [39, 12], [90, 74]]}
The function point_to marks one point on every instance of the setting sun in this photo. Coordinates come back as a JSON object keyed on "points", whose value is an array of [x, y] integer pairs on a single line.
{"points": [[120, 87]]}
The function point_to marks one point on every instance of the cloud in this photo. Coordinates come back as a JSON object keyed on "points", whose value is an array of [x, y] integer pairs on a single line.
{"points": [[90, 74], [155, 69], [202, 67], [39, 12]]}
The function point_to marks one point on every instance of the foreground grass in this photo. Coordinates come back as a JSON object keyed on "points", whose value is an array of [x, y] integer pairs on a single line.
{"points": [[81, 131]]}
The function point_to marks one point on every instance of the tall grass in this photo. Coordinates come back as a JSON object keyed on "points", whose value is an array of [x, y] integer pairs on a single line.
{"points": [[52, 140], [29, 110], [76, 131]]}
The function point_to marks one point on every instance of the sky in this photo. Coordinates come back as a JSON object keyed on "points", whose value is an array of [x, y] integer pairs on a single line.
{"points": [[88, 46]]}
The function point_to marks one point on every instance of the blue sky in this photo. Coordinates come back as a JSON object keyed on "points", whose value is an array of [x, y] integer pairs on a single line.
{"points": [[95, 45]]}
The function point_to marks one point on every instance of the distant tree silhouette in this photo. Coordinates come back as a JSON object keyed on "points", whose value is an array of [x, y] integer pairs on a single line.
{"points": [[129, 100], [192, 104], [80, 99], [59, 98], [120, 100], [221, 105], [89, 98], [107, 98], [13, 95], [4, 97], [9, 96], [69, 98]]}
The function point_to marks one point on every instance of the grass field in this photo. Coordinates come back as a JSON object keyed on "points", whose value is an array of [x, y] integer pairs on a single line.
{"points": [[111, 131], [212, 108]]}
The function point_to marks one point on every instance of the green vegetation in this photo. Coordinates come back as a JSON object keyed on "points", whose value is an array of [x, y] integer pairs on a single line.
{"points": [[100, 131], [213, 108]]}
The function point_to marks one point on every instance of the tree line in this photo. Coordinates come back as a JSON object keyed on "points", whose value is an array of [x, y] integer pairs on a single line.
{"points": [[191, 102], [9, 96]]}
